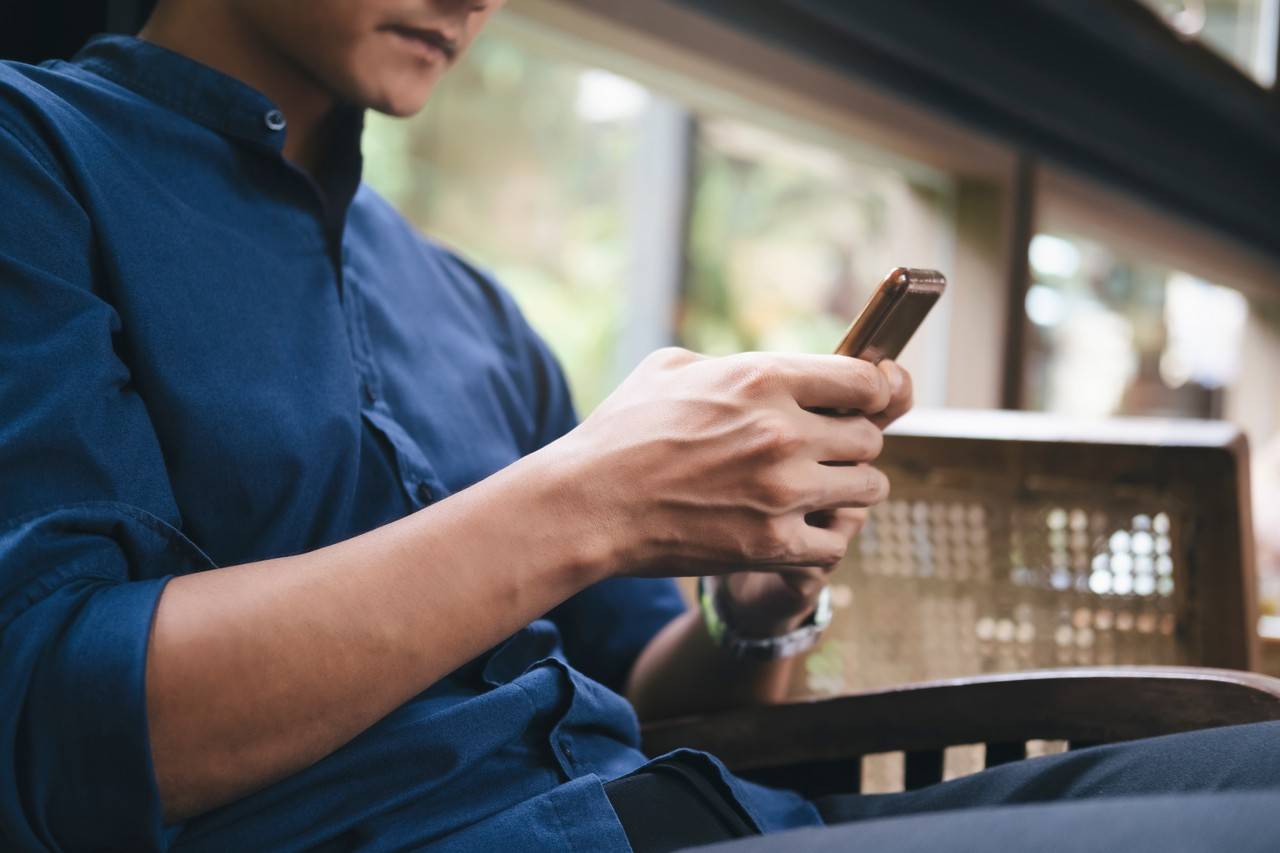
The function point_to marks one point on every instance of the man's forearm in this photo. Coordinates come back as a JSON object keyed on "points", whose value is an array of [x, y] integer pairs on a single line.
{"points": [[257, 671], [682, 671]]}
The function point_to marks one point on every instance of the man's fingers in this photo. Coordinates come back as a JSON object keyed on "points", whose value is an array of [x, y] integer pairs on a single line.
{"points": [[806, 582], [900, 394], [821, 548], [822, 542], [843, 438], [847, 521], [831, 381], [849, 486], [826, 545]]}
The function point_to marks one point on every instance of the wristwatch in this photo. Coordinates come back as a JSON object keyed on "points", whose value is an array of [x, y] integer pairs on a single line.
{"points": [[726, 637]]}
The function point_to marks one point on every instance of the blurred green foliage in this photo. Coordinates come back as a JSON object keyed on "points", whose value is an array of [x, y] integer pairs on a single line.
{"points": [[777, 256], [525, 162], [500, 167]]}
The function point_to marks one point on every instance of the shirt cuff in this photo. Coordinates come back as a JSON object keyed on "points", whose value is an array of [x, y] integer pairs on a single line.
{"points": [[95, 694], [75, 725]]}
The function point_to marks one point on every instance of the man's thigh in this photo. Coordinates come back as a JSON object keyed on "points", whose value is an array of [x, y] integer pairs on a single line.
{"points": [[1232, 758], [1242, 822]]}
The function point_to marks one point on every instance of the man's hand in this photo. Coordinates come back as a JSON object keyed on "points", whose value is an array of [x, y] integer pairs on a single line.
{"points": [[718, 465], [769, 604], [682, 671]]}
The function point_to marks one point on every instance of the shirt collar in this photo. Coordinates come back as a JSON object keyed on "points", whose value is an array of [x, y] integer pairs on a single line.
{"points": [[223, 104], [203, 94]]}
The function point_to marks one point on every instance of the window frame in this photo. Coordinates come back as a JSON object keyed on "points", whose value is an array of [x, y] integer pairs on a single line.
{"points": [[680, 53]]}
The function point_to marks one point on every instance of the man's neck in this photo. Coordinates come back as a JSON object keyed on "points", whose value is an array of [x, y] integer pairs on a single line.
{"points": [[210, 33]]}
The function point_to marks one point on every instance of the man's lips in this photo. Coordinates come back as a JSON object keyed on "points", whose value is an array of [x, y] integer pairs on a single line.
{"points": [[430, 42]]}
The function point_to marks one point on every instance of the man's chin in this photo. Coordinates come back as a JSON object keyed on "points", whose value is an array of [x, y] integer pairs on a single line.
{"points": [[399, 101]]}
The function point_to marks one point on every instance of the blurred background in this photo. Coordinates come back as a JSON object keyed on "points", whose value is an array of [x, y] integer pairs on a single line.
{"points": [[635, 189], [1097, 179]]}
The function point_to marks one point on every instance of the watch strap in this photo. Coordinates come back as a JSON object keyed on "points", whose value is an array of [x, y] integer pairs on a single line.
{"points": [[724, 635]]}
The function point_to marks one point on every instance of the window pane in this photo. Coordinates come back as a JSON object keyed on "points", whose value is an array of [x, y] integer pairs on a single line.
{"points": [[788, 239], [536, 167], [521, 162], [1114, 335]]}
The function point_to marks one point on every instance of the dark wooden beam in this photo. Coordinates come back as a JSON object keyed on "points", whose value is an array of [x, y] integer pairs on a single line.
{"points": [[1099, 87], [1023, 229], [1081, 705]]}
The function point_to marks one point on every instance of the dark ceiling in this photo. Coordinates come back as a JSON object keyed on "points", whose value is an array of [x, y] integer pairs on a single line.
{"points": [[1098, 86]]}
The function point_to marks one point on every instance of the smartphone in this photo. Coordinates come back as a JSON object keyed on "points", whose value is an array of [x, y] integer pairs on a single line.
{"points": [[892, 314]]}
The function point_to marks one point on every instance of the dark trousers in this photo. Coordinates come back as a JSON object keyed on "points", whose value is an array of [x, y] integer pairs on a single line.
{"points": [[1211, 790]]}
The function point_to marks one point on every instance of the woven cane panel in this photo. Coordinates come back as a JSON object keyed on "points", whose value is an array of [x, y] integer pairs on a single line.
{"points": [[949, 586]]}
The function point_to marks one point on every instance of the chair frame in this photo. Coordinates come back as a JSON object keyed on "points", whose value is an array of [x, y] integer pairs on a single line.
{"points": [[1199, 469], [817, 745]]}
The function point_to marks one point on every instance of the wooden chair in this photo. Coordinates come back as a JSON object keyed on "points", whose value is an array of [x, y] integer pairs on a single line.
{"points": [[1014, 545], [1017, 541], [817, 746]]}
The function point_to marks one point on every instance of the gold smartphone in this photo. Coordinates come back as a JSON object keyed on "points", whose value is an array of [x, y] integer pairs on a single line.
{"points": [[892, 314]]}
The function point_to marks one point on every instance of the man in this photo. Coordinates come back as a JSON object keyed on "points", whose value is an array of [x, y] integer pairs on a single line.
{"points": [[238, 610]]}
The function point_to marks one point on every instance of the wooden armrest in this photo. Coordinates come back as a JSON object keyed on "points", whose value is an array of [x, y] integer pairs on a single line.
{"points": [[1087, 705]]}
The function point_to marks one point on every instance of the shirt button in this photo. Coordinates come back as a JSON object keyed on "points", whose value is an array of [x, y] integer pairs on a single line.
{"points": [[423, 492], [370, 395], [274, 120], [567, 749]]}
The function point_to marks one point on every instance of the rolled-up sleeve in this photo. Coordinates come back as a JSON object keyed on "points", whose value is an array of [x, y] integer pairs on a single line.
{"points": [[89, 532]]}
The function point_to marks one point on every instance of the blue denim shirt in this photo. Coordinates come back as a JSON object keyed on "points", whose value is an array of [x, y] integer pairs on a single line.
{"points": [[207, 358]]}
